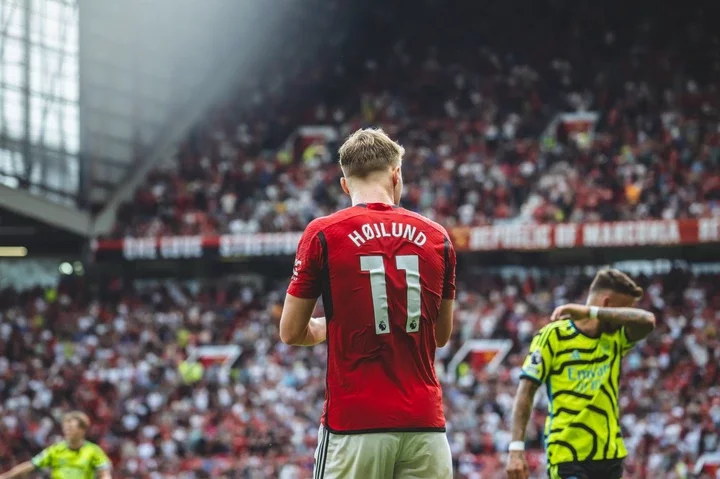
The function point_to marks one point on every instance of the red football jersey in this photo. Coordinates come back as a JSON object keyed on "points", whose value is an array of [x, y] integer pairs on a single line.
{"points": [[382, 272]]}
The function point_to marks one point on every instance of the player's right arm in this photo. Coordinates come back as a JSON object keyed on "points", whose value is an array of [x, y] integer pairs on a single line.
{"points": [[534, 372], [297, 326], [19, 470], [41, 461], [444, 325], [517, 467]]}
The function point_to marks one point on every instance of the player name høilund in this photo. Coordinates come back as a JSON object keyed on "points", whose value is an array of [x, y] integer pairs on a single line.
{"points": [[370, 231]]}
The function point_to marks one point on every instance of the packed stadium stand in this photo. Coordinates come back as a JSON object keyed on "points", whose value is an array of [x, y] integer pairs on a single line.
{"points": [[118, 355], [543, 120], [487, 131]]}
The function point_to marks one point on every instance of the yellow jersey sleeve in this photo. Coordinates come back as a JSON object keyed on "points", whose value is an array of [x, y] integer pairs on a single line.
{"points": [[44, 458], [99, 459], [538, 362]]}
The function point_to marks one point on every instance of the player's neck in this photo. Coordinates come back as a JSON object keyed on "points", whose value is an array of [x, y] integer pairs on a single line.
{"points": [[75, 444], [589, 327], [371, 194]]}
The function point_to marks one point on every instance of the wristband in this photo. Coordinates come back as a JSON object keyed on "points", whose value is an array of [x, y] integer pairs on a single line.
{"points": [[594, 312], [516, 446]]}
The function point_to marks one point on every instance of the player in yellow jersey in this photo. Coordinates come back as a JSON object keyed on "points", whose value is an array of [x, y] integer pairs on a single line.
{"points": [[73, 458], [577, 357]]}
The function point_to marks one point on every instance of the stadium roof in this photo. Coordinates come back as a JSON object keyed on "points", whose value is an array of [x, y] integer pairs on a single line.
{"points": [[148, 71]]}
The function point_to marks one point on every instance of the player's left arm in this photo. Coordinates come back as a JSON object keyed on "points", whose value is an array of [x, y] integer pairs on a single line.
{"points": [[444, 325], [297, 326], [443, 328], [637, 323], [101, 464]]}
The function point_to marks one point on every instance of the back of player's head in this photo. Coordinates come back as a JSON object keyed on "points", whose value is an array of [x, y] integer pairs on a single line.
{"points": [[614, 280], [82, 419], [367, 151]]}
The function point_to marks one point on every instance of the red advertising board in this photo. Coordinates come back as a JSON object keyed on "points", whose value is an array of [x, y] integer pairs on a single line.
{"points": [[524, 237], [511, 237]]}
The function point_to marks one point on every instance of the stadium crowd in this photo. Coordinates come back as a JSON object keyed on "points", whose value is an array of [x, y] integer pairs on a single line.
{"points": [[119, 355], [479, 109], [479, 124]]}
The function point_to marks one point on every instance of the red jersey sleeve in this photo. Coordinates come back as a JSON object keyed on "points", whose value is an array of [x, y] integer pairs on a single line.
{"points": [[450, 261], [306, 281]]}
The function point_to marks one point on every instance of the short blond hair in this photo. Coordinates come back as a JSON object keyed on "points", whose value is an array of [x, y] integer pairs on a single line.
{"points": [[82, 419], [369, 150], [611, 279]]}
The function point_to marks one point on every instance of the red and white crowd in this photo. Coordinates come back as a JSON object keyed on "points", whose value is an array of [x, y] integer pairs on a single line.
{"points": [[117, 355], [477, 120], [475, 101]]}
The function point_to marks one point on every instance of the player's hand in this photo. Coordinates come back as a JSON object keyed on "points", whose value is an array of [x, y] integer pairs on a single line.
{"points": [[575, 312], [517, 467]]}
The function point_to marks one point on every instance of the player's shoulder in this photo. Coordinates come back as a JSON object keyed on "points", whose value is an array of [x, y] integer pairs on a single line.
{"points": [[424, 220], [56, 448], [94, 448], [322, 223], [341, 219], [317, 225], [551, 326], [552, 331]]}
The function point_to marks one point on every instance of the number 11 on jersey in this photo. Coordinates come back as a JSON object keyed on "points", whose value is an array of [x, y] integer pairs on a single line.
{"points": [[378, 287]]}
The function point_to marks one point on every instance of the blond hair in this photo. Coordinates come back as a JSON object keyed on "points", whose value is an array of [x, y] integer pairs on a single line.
{"points": [[369, 150], [614, 280], [82, 419]]}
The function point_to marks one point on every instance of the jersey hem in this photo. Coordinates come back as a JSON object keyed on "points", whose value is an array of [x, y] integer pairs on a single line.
{"points": [[301, 296], [384, 430], [531, 378], [620, 458]]}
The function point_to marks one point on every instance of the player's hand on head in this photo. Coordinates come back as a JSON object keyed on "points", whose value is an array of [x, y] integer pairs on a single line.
{"points": [[575, 312], [517, 467]]}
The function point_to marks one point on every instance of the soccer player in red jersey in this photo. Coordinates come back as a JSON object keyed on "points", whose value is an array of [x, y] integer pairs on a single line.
{"points": [[387, 279]]}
